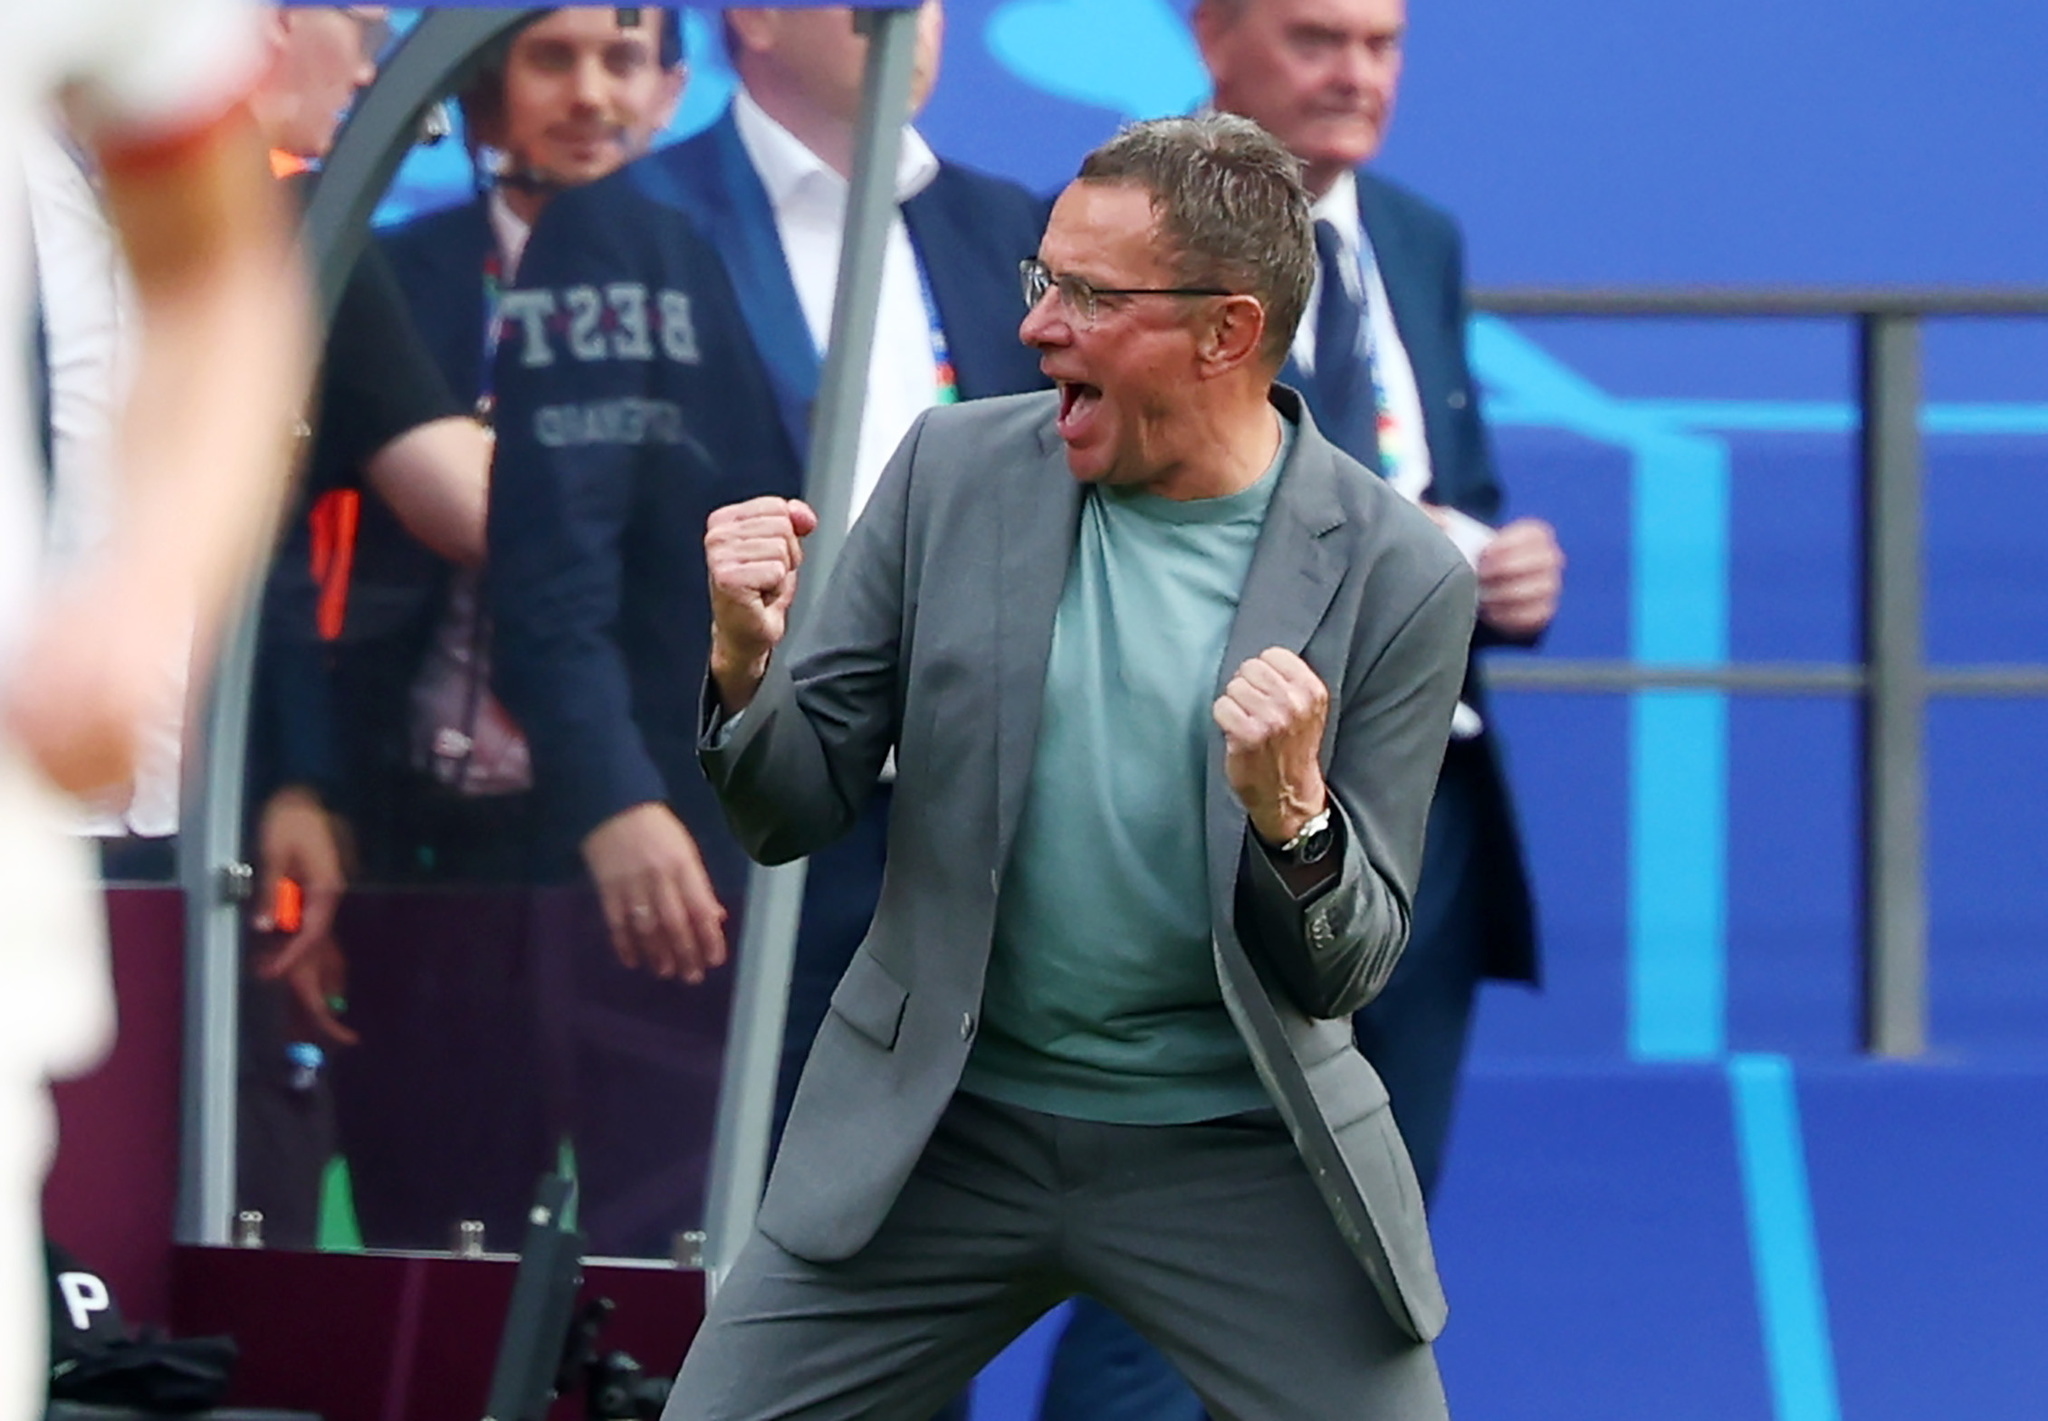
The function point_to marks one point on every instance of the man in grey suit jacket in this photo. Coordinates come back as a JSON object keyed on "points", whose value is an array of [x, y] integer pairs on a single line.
{"points": [[1168, 679], [1381, 358]]}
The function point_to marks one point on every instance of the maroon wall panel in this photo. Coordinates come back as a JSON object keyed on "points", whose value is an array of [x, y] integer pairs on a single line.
{"points": [[113, 1188], [389, 1337]]}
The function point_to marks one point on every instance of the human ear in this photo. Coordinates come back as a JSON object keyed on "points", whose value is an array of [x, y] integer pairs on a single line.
{"points": [[1233, 334]]}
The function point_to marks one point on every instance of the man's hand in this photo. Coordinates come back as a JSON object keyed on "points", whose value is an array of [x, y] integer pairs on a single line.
{"points": [[1271, 715], [1521, 574], [297, 838], [658, 899], [753, 550], [316, 979]]}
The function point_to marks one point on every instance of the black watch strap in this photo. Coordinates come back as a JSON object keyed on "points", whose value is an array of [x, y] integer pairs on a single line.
{"points": [[1312, 843]]}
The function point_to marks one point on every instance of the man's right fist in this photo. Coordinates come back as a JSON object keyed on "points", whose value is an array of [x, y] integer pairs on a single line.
{"points": [[752, 550]]}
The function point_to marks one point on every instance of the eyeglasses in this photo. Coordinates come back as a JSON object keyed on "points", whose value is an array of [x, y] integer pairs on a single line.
{"points": [[1083, 300]]}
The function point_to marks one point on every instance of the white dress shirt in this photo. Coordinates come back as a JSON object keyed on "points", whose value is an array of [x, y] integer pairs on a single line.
{"points": [[1408, 439], [810, 216], [146, 71], [91, 329], [510, 231]]}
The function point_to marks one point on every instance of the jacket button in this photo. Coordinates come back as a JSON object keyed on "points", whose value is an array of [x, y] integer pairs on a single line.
{"points": [[967, 1026], [1456, 400]]}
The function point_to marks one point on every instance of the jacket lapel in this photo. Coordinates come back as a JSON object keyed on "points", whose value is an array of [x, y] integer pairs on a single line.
{"points": [[450, 293], [969, 277], [715, 183], [1041, 507], [938, 238], [1411, 292], [1293, 577]]}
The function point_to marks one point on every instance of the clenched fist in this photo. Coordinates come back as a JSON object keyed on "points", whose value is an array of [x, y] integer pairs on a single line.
{"points": [[753, 551], [1271, 715]]}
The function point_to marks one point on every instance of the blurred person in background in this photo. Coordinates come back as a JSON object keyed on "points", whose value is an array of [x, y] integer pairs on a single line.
{"points": [[86, 305], [442, 1114], [628, 402], [154, 94], [1381, 358], [568, 98], [88, 324], [767, 183], [699, 397], [384, 439]]}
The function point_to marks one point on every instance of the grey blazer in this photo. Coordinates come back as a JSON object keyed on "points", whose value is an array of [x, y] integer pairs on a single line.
{"points": [[934, 641]]}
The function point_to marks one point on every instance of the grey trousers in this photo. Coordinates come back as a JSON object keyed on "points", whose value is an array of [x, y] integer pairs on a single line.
{"points": [[1210, 1238]]}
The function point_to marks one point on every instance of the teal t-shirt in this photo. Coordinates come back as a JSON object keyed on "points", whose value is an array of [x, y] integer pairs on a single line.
{"points": [[1101, 1001]]}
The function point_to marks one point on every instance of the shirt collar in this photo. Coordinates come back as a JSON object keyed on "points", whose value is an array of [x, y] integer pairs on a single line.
{"points": [[786, 166], [1339, 208], [509, 229]]}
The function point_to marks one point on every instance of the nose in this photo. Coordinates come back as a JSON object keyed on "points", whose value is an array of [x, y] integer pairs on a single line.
{"points": [[590, 82], [1369, 64], [1354, 66], [1045, 323]]}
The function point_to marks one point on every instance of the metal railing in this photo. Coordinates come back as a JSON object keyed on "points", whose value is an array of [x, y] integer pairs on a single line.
{"points": [[1892, 680]]}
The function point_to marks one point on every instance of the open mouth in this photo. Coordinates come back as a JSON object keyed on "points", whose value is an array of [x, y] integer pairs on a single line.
{"points": [[1078, 403]]}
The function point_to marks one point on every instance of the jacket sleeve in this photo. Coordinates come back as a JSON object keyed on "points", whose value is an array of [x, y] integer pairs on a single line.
{"points": [[799, 765], [559, 508], [1335, 950]]}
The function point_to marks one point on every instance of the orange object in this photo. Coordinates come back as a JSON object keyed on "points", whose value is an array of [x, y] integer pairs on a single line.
{"points": [[333, 520], [288, 908]]}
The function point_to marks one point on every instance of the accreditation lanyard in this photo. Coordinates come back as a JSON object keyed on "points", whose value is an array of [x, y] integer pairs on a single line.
{"points": [[494, 292], [1384, 422], [947, 380]]}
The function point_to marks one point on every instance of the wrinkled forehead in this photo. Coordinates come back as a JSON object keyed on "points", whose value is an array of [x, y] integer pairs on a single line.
{"points": [[1107, 231], [1097, 212]]}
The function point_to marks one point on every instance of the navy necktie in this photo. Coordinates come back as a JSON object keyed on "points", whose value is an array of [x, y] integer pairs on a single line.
{"points": [[1342, 388]]}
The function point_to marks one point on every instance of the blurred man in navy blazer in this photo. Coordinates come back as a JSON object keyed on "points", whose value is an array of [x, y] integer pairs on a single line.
{"points": [[1381, 357], [766, 185], [659, 359]]}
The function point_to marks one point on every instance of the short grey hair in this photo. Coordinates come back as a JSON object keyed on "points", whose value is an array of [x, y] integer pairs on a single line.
{"points": [[1229, 200]]}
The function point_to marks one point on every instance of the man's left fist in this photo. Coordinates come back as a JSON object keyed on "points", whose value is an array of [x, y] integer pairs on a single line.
{"points": [[1271, 715]]}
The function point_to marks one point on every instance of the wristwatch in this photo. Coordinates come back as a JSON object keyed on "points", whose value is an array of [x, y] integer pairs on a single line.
{"points": [[1312, 844]]}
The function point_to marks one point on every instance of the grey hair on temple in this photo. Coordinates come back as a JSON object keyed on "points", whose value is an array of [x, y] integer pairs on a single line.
{"points": [[1230, 202]]}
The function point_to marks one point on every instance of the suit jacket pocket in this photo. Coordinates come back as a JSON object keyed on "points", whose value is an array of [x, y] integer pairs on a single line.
{"points": [[870, 1000], [1394, 1241], [1354, 1102], [1346, 1088]]}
